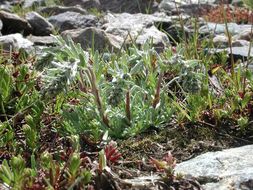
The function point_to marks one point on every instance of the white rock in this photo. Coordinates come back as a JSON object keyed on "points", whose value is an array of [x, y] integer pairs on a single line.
{"points": [[139, 26], [232, 168], [15, 42]]}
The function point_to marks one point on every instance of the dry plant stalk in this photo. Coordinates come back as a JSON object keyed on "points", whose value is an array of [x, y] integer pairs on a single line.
{"points": [[158, 89], [128, 111], [95, 92]]}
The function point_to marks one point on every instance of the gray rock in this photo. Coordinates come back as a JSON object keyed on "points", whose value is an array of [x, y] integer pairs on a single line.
{"points": [[4, 186], [94, 37], [86, 4], [244, 35], [14, 2], [186, 6], [215, 28], [193, 9], [40, 26], [9, 3], [1, 25], [12, 23], [15, 42], [137, 26], [42, 40], [143, 182], [129, 6], [241, 51], [33, 3], [55, 10], [227, 169], [152, 34], [168, 5], [72, 20], [220, 41], [240, 43], [116, 6], [8, 44], [5, 6], [125, 22]]}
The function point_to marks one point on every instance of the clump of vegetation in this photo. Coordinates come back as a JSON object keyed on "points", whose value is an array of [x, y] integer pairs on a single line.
{"points": [[60, 113], [54, 107]]}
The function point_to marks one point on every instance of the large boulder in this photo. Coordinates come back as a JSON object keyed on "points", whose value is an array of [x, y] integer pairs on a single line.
{"points": [[123, 23], [72, 20], [137, 28], [227, 169], [12, 23], [94, 37], [40, 26]]}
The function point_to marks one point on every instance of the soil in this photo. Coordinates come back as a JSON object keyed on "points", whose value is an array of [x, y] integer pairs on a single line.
{"points": [[183, 142]]}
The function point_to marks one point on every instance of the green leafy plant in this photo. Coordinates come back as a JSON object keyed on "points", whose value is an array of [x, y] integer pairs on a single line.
{"points": [[72, 174], [15, 174], [248, 3], [117, 99]]}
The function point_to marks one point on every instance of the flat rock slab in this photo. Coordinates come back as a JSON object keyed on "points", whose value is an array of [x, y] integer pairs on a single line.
{"points": [[242, 51], [13, 42], [42, 40], [215, 28], [223, 170]]}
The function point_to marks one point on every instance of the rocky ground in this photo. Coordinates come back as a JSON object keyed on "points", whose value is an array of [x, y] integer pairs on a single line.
{"points": [[116, 24]]}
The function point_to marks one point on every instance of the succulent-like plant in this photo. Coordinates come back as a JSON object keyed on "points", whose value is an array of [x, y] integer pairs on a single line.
{"points": [[167, 164]]}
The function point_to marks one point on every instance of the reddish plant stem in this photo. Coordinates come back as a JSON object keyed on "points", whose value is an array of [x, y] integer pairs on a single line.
{"points": [[158, 89], [128, 108], [95, 92]]}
